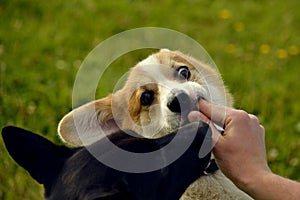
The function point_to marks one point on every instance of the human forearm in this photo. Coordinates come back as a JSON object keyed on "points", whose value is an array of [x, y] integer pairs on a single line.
{"points": [[270, 186]]}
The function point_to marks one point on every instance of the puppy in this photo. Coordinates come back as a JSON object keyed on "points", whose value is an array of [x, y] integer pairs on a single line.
{"points": [[69, 174], [159, 93], [155, 101]]}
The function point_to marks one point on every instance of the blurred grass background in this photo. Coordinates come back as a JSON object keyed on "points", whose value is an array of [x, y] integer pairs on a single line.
{"points": [[255, 44]]}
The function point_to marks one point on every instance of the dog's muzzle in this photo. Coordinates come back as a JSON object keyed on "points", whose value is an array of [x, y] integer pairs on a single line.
{"points": [[179, 102]]}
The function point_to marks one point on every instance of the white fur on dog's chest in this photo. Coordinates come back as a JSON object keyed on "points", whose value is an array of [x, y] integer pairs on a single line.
{"points": [[214, 187]]}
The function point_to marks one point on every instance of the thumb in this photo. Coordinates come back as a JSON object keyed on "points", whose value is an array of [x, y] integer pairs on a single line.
{"points": [[215, 112], [198, 116]]}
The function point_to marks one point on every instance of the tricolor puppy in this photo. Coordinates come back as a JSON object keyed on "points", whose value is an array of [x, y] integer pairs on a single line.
{"points": [[158, 95]]}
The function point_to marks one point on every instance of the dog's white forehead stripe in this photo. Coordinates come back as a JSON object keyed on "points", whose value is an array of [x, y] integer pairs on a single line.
{"points": [[165, 50], [153, 68], [150, 60]]}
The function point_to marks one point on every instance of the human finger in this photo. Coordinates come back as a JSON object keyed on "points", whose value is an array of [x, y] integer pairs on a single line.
{"points": [[215, 112], [194, 116]]}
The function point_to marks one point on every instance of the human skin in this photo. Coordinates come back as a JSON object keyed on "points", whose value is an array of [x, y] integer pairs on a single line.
{"points": [[241, 152]]}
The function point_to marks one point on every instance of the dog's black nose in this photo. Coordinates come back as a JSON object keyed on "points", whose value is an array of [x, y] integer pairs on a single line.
{"points": [[179, 102]]}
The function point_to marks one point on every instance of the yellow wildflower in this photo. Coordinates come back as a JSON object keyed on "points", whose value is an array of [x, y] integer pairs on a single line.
{"points": [[282, 54], [230, 48], [264, 49], [239, 26], [294, 50], [225, 14]]}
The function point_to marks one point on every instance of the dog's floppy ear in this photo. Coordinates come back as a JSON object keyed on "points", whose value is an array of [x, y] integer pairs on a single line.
{"points": [[40, 157], [84, 124]]}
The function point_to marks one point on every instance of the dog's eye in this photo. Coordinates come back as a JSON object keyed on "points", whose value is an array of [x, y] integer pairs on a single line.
{"points": [[147, 98], [184, 73]]}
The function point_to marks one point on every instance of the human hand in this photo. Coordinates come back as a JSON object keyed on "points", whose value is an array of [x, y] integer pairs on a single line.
{"points": [[240, 152]]}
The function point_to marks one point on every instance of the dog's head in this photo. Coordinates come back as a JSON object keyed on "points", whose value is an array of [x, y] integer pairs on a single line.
{"points": [[156, 99]]}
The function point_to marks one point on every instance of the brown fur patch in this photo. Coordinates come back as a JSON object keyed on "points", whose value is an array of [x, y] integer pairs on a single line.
{"points": [[135, 108]]}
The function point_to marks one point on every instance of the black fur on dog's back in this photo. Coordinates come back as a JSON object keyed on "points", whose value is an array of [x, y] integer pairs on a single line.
{"points": [[70, 173]]}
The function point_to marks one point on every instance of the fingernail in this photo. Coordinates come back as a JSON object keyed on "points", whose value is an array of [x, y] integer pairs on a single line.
{"points": [[203, 102]]}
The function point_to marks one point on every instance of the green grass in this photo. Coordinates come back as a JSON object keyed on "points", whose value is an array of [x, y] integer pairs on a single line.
{"points": [[255, 44]]}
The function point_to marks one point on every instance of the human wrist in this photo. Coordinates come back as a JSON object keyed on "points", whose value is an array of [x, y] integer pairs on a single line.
{"points": [[255, 184], [270, 186]]}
